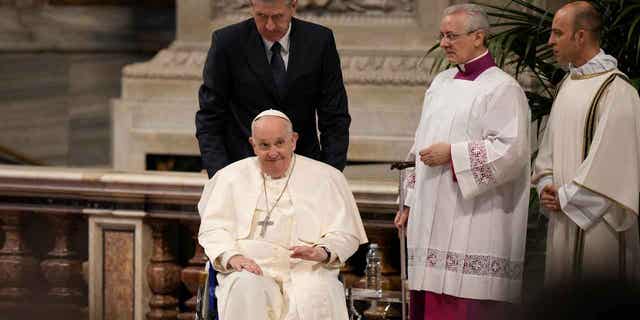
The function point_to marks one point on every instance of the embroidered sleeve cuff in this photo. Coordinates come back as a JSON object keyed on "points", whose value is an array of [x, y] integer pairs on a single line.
{"points": [[471, 166], [479, 162], [409, 185]]}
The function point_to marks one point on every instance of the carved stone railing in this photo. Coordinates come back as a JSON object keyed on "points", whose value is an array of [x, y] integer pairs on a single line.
{"points": [[90, 244]]}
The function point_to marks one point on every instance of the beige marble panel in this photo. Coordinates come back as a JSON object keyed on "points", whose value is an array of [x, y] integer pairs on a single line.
{"points": [[165, 116], [385, 110], [119, 274], [160, 89], [108, 281]]}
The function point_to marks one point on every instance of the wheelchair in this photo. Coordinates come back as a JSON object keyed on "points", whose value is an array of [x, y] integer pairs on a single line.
{"points": [[206, 302]]}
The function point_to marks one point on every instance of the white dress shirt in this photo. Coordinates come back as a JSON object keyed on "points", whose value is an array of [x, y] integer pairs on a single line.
{"points": [[284, 42]]}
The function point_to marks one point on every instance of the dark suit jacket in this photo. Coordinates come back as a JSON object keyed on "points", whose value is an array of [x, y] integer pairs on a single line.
{"points": [[238, 84]]}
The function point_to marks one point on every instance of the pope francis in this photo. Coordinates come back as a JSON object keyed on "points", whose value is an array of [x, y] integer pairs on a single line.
{"points": [[276, 228]]}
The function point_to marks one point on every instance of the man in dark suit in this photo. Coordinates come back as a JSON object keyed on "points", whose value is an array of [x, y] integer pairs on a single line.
{"points": [[272, 61]]}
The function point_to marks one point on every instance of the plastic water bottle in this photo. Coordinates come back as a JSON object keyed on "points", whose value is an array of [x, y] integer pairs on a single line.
{"points": [[374, 269]]}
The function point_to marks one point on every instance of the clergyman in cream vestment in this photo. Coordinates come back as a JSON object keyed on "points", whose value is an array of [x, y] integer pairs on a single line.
{"points": [[588, 166]]}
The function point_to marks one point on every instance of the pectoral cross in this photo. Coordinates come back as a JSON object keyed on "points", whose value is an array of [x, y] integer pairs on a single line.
{"points": [[264, 224]]}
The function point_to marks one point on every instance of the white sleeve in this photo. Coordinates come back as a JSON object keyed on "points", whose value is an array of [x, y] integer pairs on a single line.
{"points": [[217, 221], [502, 151], [409, 187], [582, 206], [542, 182], [221, 262], [334, 240], [409, 182]]}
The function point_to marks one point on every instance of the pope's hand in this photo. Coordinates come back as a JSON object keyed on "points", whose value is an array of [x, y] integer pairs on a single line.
{"points": [[549, 197], [400, 221], [436, 154], [308, 253], [239, 263]]}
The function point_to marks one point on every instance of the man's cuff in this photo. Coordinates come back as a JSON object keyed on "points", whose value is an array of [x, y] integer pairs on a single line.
{"points": [[546, 180], [542, 182], [582, 206]]}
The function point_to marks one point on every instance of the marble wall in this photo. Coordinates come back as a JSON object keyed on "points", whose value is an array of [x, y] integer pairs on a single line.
{"points": [[382, 45], [63, 63], [385, 76], [60, 66]]}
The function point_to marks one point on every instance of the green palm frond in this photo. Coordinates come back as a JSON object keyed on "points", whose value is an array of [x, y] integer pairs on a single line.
{"points": [[621, 33]]}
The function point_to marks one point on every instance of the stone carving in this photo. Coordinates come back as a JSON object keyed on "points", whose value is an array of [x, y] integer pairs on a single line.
{"points": [[319, 7], [388, 70], [359, 69]]}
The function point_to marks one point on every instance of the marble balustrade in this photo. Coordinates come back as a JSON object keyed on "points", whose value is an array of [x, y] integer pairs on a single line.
{"points": [[96, 244]]}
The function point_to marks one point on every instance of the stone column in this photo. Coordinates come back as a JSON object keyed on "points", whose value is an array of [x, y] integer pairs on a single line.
{"points": [[193, 274], [163, 275], [17, 266], [63, 270]]}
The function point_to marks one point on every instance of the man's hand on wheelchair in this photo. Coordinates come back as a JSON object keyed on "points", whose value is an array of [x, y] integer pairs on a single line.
{"points": [[239, 263]]}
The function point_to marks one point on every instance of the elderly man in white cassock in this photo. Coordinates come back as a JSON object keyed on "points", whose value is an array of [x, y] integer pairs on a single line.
{"points": [[277, 227], [588, 166], [467, 201]]}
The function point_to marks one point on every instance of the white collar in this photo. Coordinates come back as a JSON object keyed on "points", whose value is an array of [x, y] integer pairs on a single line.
{"points": [[284, 42], [286, 172], [462, 65], [601, 62]]}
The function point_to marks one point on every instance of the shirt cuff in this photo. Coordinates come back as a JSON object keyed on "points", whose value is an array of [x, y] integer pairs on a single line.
{"points": [[539, 186], [542, 182]]}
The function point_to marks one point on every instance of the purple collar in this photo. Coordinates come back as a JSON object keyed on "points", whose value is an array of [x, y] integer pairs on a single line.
{"points": [[470, 71]]}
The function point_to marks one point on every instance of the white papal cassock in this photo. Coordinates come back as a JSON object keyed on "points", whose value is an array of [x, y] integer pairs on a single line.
{"points": [[466, 238], [592, 152], [317, 208]]}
